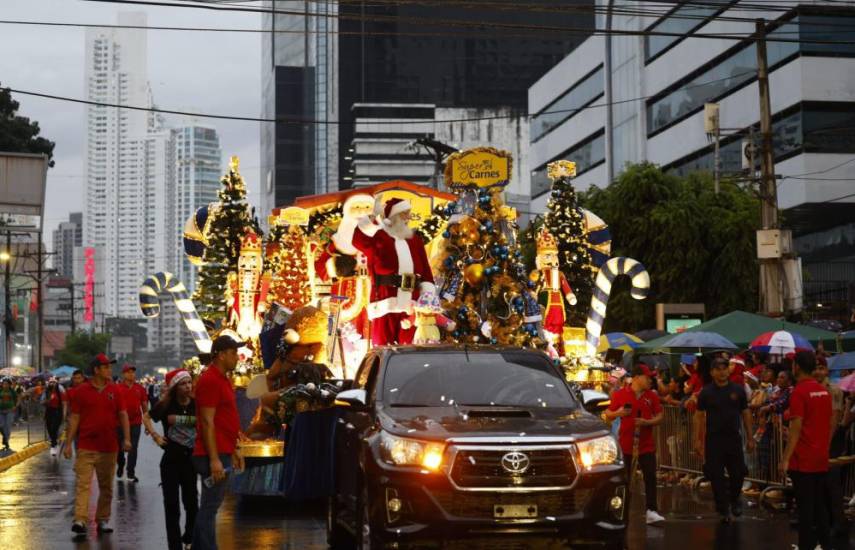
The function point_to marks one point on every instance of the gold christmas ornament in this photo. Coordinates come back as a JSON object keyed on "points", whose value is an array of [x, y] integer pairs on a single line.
{"points": [[474, 274], [561, 169]]}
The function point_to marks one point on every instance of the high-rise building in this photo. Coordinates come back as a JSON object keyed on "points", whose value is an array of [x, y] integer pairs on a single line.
{"points": [[365, 53], [114, 219], [654, 88], [198, 161], [65, 237]]}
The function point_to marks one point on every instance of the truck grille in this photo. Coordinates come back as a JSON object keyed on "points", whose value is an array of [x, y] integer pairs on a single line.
{"points": [[482, 468], [480, 505]]}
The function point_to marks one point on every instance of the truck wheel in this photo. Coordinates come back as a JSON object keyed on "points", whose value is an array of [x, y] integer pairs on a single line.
{"points": [[337, 536]]}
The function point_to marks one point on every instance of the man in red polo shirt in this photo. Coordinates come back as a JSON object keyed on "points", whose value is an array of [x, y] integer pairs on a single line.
{"points": [[806, 456], [217, 429], [638, 406], [136, 403], [97, 410]]}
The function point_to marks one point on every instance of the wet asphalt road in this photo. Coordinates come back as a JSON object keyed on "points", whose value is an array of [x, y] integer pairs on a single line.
{"points": [[36, 512]]}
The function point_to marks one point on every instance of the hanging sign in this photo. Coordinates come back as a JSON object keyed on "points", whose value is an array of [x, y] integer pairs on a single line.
{"points": [[478, 168]]}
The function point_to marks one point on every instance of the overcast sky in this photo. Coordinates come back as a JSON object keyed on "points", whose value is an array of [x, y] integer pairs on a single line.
{"points": [[189, 71]]}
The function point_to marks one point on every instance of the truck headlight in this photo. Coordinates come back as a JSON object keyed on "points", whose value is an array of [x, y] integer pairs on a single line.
{"points": [[401, 451], [597, 452]]}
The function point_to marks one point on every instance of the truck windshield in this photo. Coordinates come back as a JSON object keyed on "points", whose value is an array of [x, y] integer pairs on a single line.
{"points": [[478, 379]]}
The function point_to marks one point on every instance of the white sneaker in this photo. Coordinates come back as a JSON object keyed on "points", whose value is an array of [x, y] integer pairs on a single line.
{"points": [[54, 451], [654, 517]]}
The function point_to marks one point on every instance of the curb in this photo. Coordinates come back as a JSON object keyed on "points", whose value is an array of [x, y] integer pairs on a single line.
{"points": [[22, 455]]}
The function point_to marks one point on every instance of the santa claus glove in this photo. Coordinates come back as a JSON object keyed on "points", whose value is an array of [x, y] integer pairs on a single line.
{"points": [[406, 324], [571, 298], [367, 226]]}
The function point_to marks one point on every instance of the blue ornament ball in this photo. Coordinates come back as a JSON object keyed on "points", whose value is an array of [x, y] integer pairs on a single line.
{"points": [[446, 234]]}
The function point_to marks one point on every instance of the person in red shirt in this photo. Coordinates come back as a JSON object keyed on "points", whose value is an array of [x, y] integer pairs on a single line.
{"points": [[136, 403], [217, 430], [97, 409], [77, 379], [56, 409], [806, 456], [638, 408]]}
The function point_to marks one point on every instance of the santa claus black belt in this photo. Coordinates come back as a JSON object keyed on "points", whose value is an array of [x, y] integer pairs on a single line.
{"points": [[406, 281]]}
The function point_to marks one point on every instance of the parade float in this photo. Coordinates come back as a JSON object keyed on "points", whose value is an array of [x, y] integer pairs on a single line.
{"points": [[336, 275]]}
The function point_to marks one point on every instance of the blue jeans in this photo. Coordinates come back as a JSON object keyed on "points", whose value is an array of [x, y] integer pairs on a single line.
{"points": [[205, 529], [6, 419]]}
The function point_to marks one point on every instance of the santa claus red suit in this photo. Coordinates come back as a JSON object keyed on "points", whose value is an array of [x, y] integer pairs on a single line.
{"points": [[400, 272], [342, 264]]}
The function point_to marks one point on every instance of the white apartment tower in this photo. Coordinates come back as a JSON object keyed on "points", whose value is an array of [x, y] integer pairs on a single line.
{"points": [[114, 217]]}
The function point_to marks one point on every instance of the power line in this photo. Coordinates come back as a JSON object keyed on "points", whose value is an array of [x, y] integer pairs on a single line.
{"points": [[476, 25], [288, 120]]}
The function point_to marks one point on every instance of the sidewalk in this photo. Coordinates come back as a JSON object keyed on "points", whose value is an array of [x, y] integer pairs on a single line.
{"points": [[18, 442]]}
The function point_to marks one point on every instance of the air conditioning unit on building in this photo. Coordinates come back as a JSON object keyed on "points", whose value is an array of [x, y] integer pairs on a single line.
{"points": [[774, 243]]}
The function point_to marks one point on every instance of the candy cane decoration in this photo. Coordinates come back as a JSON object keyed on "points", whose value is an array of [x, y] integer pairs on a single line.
{"points": [[150, 305], [612, 269]]}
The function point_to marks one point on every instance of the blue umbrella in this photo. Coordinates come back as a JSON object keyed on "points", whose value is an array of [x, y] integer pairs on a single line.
{"points": [[844, 361], [698, 341], [63, 372]]}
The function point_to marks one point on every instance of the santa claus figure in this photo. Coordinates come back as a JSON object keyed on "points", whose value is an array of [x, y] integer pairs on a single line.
{"points": [[345, 268], [399, 269], [553, 289]]}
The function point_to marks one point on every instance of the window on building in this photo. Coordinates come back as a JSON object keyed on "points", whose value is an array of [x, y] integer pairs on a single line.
{"points": [[587, 154], [738, 66], [682, 20], [581, 94], [811, 127]]}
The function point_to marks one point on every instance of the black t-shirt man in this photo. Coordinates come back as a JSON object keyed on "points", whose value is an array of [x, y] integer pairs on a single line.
{"points": [[724, 406]]}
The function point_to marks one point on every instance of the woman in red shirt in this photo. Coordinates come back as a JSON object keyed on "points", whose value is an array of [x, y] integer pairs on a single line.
{"points": [[56, 409]]}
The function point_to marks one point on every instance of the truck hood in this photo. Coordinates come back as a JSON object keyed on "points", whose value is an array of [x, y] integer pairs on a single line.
{"points": [[442, 423]]}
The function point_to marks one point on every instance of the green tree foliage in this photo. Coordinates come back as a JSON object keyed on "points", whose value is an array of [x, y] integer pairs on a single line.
{"points": [[81, 347], [232, 218], [698, 247], [17, 133], [566, 223]]}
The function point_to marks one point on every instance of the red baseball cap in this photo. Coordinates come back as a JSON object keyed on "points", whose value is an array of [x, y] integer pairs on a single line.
{"points": [[642, 369], [102, 359], [127, 366]]}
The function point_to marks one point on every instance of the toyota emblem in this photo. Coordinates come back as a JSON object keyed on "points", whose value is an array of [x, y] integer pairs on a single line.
{"points": [[515, 462]]}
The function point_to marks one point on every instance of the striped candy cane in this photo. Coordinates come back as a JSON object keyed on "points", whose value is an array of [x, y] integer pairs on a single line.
{"points": [[612, 269], [150, 305]]}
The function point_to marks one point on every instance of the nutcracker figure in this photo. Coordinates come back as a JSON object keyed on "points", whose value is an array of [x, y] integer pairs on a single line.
{"points": [[552, 289]]}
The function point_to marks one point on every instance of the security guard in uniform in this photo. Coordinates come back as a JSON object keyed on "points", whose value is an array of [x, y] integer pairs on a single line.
{"points": [[720, 406]]}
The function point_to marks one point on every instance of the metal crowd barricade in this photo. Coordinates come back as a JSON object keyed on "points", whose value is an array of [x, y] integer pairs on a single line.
{"points": [[675, 450], [35, 415], [675, 438]]}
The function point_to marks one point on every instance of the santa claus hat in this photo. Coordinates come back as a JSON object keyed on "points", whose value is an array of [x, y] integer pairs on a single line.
{"points": [[173, 377], [395, 206]]}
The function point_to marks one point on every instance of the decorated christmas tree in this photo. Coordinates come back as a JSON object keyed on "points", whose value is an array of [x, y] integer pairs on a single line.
{"points": [[486, 289], [565, 221], [232, 218], [287, 261]]}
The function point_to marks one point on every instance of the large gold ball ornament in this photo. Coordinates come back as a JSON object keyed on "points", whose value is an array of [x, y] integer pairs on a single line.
{"points": [[474, 274]]}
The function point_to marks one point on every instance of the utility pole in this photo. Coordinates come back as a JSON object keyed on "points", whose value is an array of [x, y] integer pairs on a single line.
{"points": [[771, 299], [7, 299]]}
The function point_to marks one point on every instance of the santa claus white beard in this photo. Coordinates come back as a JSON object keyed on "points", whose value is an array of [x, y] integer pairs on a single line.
{"points": [[399, 229], [343, 237]]}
